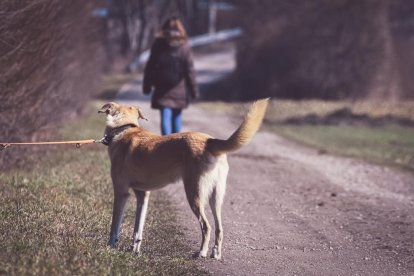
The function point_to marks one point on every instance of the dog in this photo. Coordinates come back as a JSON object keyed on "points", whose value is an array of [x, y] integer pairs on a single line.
{"points": [[144, 161]]}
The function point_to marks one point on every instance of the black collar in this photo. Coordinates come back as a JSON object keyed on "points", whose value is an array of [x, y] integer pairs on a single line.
{"points": [[108, 137]]}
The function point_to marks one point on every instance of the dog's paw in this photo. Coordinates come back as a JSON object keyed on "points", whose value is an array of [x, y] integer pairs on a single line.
{"points": [[215, 254], [199, 254], [135, 248]]}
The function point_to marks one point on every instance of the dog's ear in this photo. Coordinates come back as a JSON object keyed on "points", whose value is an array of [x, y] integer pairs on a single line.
{"points": [[107, 108], [140, 115]]}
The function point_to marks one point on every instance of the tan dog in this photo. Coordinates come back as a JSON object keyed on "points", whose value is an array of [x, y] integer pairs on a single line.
{"points": [[144, 161]]}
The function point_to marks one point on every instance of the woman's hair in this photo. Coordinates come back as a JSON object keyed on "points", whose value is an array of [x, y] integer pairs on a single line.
{"points": [[173, 24]]}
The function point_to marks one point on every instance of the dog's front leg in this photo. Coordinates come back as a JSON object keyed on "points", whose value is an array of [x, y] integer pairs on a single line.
{"points": [[120, 200], [141, 212]]}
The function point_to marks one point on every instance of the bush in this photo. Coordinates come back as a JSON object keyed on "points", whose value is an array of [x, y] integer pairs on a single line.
{"points": [[49, 60], [326, 49]]}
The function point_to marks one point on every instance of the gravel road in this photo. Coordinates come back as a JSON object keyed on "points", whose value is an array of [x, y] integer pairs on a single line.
{"points": [[290, 210]]}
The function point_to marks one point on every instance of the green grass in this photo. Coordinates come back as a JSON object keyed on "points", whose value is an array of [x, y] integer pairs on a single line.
{"points": [[391, 145], [55, 217]]}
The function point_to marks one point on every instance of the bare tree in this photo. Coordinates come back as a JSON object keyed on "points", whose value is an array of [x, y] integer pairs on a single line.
{"points": [[134, 23]]}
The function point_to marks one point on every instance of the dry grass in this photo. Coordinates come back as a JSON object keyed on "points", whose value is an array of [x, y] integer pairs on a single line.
{"points": [[283, 109], [280, 110]]}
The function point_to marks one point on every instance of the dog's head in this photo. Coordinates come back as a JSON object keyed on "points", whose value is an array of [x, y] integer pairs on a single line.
{"points": [[119, 115]]}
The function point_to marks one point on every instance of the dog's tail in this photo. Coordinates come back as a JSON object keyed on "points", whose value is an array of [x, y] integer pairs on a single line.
{"points": [[244, 133]]}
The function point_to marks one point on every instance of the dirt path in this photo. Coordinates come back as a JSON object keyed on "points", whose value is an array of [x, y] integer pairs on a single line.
{"points": [[292, 211]]}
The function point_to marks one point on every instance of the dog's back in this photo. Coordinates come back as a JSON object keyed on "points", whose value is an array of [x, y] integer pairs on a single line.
{"points": [[153, 161]]}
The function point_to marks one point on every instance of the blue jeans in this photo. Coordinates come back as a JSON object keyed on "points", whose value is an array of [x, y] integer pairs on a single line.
{"points": [[170, 120]]}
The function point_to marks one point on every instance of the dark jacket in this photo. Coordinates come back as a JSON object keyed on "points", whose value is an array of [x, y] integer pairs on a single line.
{"points": [[170, 71]]}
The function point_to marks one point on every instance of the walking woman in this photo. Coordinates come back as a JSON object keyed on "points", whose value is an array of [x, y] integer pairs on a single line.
{"points": [[170, 71]]}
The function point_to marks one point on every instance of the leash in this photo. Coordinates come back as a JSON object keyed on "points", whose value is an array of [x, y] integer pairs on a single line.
{"points": [[106, 140], [77, 143]]}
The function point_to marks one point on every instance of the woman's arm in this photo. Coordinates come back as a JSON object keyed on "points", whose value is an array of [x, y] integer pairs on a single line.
{"points": [[190, 73], [148, 81]]}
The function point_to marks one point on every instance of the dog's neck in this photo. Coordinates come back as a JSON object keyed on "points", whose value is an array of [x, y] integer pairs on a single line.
{"points": [[112, 132]]}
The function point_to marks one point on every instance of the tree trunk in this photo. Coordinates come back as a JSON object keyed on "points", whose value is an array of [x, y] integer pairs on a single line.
{"points": [[386, 83]]}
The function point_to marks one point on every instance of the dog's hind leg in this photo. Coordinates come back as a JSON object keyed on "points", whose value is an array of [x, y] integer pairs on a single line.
{"points": [[205, 229], [141, 212], [216, 202], [120, 200], [197, 200]]}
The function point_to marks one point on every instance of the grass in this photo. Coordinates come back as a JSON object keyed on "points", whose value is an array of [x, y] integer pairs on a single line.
{"points": [[111, 84], [390, 144], [55, 217], [280, 110]]}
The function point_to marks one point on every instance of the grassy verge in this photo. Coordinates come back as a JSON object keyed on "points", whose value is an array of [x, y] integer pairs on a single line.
{"points": [[387, 144], [55, 217], [280, 110]]}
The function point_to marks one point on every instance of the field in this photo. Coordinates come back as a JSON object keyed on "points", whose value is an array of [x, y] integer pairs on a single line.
{"points": [[55, 216]]}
